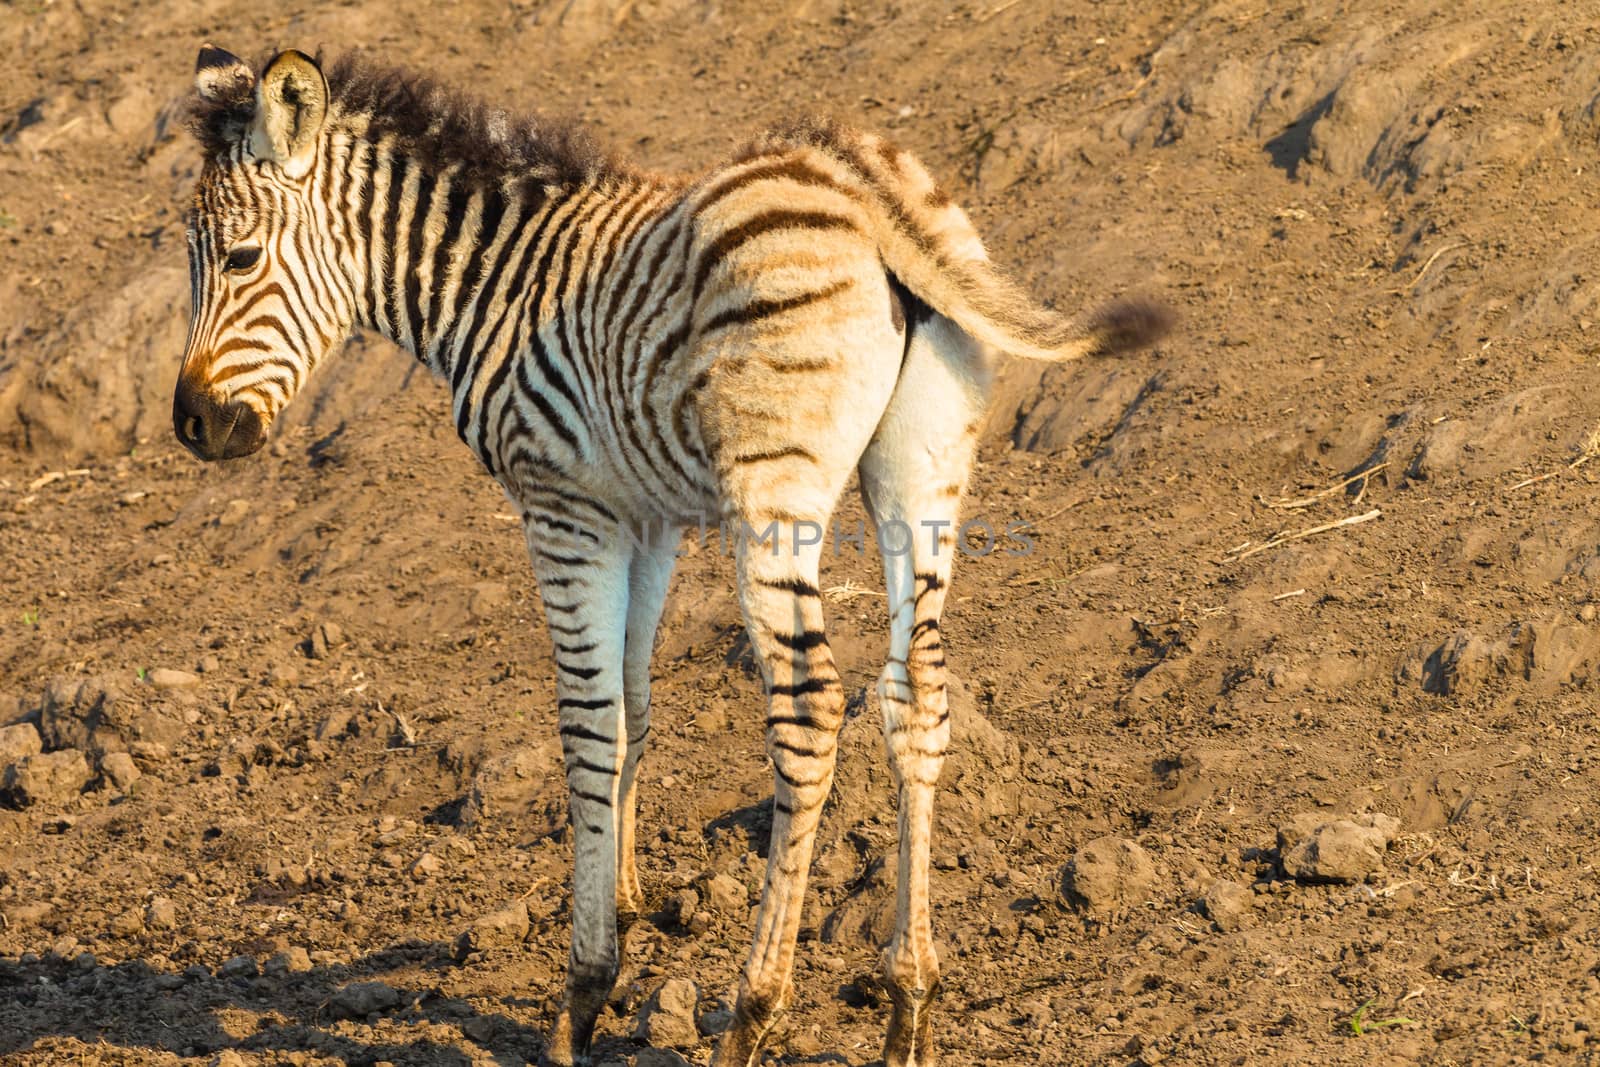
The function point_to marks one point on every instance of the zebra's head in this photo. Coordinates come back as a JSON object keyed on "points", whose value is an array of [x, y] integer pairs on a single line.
{"points": [[266, 302]]}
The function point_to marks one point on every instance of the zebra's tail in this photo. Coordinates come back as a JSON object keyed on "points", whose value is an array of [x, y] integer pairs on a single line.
{"points": [[931, 246], [997, 312]]}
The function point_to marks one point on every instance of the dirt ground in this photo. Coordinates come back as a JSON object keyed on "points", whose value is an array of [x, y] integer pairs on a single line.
{"points": [[1327, 554]]}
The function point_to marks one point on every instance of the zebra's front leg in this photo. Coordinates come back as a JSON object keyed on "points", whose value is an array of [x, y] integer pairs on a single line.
{"points": [[585, 590], [649, 573]]}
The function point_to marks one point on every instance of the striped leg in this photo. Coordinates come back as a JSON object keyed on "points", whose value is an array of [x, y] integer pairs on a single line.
{"points": [[585, 589], [805, 708], [912, 478], [649, 573]]}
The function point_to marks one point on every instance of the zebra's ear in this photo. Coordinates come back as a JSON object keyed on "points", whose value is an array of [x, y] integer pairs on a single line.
{"points": [[224, 100], [221, 77], [291, 102]]}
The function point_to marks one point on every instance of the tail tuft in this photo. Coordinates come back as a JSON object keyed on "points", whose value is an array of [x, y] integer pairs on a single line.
{"points": [[1126, 325]]}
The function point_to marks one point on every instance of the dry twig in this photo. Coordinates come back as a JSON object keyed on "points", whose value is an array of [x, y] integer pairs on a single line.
{"points": [[50, 477], [996, 10], [1285, 504], [1414, 281], [1591, 449], [849, 591], [538, 884], [1283, 539], [1032, 524]]}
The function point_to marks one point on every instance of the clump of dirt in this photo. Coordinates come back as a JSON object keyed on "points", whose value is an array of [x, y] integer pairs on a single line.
{"points": [[279, 780]]}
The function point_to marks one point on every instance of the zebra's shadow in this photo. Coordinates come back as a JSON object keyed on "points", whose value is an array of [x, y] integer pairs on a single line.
{"points": [[138, 1010], [134, 1006]]}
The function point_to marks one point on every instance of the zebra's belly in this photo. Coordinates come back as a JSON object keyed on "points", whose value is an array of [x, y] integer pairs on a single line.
{"points": [[659, 482], [622, 488]]}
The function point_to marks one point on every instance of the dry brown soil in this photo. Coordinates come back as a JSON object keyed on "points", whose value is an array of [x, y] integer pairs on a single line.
{"points": [[1378, 223]]}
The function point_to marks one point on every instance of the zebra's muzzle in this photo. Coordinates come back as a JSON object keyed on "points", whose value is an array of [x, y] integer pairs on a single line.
{"points": [[213, 429]]}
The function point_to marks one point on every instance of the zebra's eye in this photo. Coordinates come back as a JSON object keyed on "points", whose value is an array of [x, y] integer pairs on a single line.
{"points": [[242, 259]]}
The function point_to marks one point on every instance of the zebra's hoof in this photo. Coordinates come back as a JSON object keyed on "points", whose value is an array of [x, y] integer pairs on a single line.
{"points": [[741, 1043], [910, 1039], [740, 1047], [563, 1050]]}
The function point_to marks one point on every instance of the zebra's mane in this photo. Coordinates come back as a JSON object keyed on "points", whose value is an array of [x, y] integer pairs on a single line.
{"points": [[436, 125]]}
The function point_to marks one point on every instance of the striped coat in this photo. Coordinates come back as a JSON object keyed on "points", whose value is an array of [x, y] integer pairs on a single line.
{"points": [[629, 352]]}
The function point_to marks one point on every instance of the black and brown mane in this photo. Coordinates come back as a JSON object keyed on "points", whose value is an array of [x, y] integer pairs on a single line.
{"points": [[438, 126]]}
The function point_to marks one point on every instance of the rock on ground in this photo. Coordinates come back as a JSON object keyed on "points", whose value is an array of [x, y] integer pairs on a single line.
{"points": [[239, 967], [1108, 874], [128, 923], [1228, 904], [726, 895], [361, 999], [161, 914], [1463, 664], [292, 960], [169, 678], [119, 769], [1341, 850], [667, 1018], [524, 784], [715, 1021], [681, 906], [325, 637], [659, 1057], [498, 929], [19, 741], [47, 778], [98, 715]]}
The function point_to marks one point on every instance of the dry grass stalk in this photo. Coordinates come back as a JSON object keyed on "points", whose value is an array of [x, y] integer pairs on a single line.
{"points": [[1431, 259], [1033, 523], [51, 477], [1591, 449], [998, 9], [1286, 504], [1283, 539], [849, 591]]}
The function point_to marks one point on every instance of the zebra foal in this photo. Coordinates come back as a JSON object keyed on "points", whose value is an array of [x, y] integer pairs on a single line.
{"points": [[626, 350]]}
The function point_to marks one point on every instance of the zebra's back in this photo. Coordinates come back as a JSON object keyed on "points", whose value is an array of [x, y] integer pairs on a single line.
{"points": [[710, 326]]}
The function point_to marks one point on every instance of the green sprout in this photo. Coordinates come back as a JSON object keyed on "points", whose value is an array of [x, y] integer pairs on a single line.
{"points": [[143, 672], [30, 617], [1359, 1024]]}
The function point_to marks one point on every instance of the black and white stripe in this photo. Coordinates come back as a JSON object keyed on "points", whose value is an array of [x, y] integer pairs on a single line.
{"points": [[627, 352]]}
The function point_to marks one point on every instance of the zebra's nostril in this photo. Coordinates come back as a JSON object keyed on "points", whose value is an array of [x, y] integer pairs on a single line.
{"points": [[191, 429]]}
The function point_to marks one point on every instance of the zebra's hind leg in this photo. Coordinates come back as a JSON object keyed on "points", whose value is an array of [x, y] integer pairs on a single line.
{"points": [[649, 573], [584, 583], [912, 478], [805, 708]]}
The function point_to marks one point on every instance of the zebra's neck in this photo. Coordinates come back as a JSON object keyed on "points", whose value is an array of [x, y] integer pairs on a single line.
{"points": [[497, 286], [438, 257]]}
